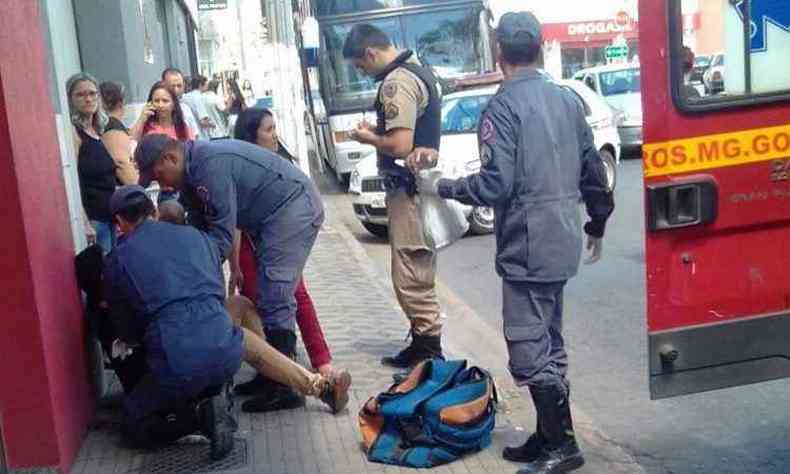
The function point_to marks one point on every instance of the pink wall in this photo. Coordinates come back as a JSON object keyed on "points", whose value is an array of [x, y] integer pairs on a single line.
{"points": [[45, 399]]}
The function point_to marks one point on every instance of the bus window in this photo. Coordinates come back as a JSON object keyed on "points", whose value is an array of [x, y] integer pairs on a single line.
{"points": [[342, 7], [734, 74], [448, 41], [347, 87]]}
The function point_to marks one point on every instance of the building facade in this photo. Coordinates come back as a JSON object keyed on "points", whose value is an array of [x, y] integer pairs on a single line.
{"points": [[46, 399]]}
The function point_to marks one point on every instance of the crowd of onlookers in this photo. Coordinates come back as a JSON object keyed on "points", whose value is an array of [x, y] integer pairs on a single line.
{"points": [[176, 106]]}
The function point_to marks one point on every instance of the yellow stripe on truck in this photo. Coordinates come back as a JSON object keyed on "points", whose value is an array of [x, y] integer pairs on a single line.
{"points": [[716, 151]]}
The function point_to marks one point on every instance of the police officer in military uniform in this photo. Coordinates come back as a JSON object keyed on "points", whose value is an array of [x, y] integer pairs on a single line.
{"points": [[408, 109], [165, 292], [229, 184], [538, 160]]}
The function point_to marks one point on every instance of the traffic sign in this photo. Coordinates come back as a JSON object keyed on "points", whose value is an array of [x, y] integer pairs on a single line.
{"points": [[616, 52]]}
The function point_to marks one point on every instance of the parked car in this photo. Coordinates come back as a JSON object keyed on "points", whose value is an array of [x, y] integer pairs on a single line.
{"points": [[620, 86], [459, 155], [701, 64], [713, 79]]}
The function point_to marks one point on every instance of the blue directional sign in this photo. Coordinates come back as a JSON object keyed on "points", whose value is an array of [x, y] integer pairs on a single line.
{"points": [[776, 12]]}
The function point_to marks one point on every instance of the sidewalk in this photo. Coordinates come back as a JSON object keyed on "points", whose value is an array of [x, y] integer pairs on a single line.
{"points": [[362, 322]]}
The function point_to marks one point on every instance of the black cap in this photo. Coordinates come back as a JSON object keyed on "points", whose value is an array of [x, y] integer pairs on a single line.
{"points": [[126, 196], [519, 29], [148, 151]]}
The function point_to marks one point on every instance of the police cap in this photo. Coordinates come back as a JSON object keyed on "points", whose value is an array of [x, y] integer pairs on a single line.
{"points": [[519, 29], [148, 151], [126, 196]]}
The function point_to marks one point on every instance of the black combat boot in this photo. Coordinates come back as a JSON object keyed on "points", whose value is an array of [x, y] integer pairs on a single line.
{"points": [[272, 396], [162, 429], [217, 424], [560, 452], [420, 349], [527, 452]]}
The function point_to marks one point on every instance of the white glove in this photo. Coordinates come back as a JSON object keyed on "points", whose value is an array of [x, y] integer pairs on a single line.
{"points": [[120, 350], [595, 246], [428, 182]]}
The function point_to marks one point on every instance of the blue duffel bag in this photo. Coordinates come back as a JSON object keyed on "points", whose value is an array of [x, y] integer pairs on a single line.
{"points": [[441, 412]]}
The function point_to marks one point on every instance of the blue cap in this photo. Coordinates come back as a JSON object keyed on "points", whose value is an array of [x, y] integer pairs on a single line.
{"points": [[519, 29], [125, 196], [148, 151]]}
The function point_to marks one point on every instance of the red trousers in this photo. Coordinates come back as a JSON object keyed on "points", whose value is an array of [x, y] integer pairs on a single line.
{"points": [[306, 317]]}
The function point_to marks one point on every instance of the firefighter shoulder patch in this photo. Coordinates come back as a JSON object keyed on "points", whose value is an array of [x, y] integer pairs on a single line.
{"points": [[487, 130], [391, 111]]}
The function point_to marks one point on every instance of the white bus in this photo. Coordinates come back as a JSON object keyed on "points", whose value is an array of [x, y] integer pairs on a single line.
{"points": [[451, 36]]}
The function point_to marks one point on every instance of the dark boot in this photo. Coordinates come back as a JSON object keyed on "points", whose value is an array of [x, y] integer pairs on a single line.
{"points": [[527, 452], [217, 425], [162, 429], [278, 398], [560, 452], [420, 349], [258, 384]]}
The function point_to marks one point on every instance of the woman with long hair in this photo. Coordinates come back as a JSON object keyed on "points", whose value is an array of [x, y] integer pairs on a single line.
{"points": [[237, 103], [162, 114], [116, 136], [95, 166], [258, 126]]}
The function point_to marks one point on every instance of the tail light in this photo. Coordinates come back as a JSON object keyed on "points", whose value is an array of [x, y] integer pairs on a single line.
{"points": [[717, 76]]}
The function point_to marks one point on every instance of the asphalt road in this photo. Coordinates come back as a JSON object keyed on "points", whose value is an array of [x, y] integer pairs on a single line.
{"points": [[740, 430]]}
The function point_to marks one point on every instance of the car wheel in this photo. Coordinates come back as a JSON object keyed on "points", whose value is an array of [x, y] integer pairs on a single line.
{"points": [[610, 166], [481, 220], [378, 230]]}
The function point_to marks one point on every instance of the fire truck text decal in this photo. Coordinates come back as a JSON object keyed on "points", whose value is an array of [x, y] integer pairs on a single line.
{"points": [[716, 151]]}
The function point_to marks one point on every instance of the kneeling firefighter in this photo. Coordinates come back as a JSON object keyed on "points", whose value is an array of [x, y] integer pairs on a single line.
{"points": [[165, 291]]}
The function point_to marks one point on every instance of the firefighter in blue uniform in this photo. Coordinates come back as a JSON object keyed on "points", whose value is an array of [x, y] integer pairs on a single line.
{"points": [[538, 159], [229, 184], [165, 291]]}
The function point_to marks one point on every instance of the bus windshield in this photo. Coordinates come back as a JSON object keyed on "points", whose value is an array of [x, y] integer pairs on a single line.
{"points": [[448, 41]]}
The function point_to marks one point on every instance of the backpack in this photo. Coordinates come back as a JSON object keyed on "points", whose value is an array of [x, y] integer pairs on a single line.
{"points": [[441, 412]]}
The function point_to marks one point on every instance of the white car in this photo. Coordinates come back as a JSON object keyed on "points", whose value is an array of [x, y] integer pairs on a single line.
{"points": [[713, 79], [621, 88], [459, 155]]}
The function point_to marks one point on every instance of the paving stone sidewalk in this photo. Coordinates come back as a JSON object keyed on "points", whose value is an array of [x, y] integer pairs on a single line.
{"points": [[362, 321]]}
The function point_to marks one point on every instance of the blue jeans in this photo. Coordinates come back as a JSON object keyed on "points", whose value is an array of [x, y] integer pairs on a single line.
{"points": [[105, 235]]}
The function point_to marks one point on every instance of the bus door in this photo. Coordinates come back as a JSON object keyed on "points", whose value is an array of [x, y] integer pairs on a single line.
{"points": [[717, 193]]}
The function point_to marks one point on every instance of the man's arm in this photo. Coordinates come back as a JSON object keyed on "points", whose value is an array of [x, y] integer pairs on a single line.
{"points": [[498, 140], [126, 311], [216, 189], [401, 97], [593, 184]]}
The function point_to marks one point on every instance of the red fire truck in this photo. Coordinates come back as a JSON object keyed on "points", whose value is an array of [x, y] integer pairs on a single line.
{"points": [[717, 194]]}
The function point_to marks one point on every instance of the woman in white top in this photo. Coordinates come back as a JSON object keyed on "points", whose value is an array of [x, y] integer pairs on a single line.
{"points": [[216, 108]]}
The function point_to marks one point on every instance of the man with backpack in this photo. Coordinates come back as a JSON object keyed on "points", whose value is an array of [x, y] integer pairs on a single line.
{"points": [[538, 159]]}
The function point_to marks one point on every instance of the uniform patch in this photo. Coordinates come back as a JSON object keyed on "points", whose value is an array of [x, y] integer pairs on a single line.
{"points": [[389, 89], [203, 195], [391, 111], [485, 154], [487, 130]]}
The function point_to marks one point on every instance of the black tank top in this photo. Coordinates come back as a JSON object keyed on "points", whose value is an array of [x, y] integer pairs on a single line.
{"points": [[96, 171]]}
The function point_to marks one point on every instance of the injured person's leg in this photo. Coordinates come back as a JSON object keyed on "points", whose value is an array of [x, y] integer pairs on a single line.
{"points": [[332, 389]]}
